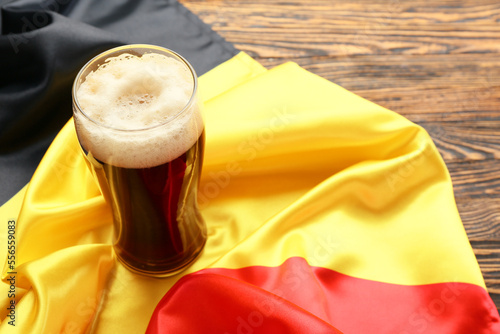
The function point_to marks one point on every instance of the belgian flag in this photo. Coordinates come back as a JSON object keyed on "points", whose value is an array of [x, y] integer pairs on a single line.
{"points": [[326, 213]]}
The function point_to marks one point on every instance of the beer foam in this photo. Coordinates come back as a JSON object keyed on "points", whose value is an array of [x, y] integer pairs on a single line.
{"points": [[133, 105]]}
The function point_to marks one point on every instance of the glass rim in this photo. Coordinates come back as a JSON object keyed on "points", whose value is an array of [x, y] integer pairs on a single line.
{"points": [[110, 52]]}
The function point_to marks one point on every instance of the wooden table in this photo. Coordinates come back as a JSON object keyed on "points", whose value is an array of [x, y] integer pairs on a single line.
{"points": [[436, 63]]}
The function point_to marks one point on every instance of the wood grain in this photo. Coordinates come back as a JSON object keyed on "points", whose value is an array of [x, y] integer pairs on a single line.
{"points": [[436, 63], [322, 28]]}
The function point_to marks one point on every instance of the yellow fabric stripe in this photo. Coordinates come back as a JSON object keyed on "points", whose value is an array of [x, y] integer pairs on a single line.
{"points": [[237, 70], [10, 209], [321, 173]]}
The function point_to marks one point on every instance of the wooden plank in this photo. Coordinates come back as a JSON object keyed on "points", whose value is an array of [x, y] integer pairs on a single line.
{"points": [[322, 28], [475, 179], [488, 254], [469, 140], [481, 219]]}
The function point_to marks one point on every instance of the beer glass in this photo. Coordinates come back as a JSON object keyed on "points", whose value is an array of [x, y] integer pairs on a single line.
{"points": [[140, 127]]}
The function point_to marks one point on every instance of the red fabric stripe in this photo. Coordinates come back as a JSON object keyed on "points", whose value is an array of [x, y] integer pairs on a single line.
{"points": [[298, 298]]}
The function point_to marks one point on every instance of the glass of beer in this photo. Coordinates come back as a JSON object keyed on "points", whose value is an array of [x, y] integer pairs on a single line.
{"points": [[140, 127]]}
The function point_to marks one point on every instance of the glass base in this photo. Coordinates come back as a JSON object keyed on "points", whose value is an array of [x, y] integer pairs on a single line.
{"points": [[174, 270]]}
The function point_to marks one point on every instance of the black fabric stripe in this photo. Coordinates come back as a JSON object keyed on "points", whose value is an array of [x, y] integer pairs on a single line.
{"points": [[43, 44]]}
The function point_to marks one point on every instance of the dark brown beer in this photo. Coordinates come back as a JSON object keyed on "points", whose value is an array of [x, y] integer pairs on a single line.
{"points": [[158, 227], [140, 127]]}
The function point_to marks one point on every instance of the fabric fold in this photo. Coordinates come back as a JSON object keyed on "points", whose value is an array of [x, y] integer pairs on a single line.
{"points": [[245, 309], [295, 297]]}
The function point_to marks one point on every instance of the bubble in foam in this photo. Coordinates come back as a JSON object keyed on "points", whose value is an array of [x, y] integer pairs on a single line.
{"points": [[144, 94]]}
